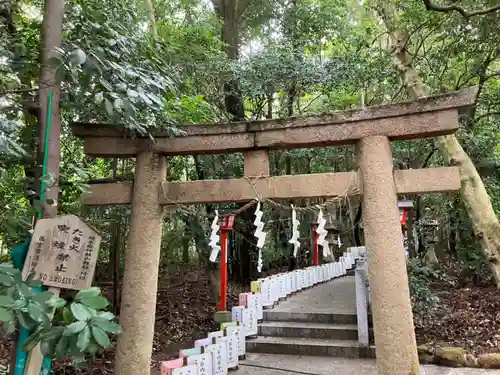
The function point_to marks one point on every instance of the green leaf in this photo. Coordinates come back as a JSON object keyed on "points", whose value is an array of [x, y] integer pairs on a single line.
{"points": [[132, 93], [98, 98], [98, 302], [5, 315], [80, 312], [25, 290], [32, 341], [93, 347], [62, 347], [42, 297], [36, 312], [53, 333], [56, 302], [74, 328], [6, 301], [6, 280], [8, 269], [106, 315], [101, 337], [106, 84], [87, 293], [108, 106], [67, 315], [10, 327], [48, 348], [77, 57], [83, 339], [25, 320], [106, 325], [19, 304]]}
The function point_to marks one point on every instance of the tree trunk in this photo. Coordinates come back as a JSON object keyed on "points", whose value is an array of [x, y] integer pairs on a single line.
{"points": [[473, 192], [50, 130], [51, 40], [151, 19], [230, 12], [185, 248]]}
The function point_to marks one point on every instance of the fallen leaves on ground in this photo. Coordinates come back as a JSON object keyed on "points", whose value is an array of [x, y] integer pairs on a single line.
{"points": [[464, 317]]}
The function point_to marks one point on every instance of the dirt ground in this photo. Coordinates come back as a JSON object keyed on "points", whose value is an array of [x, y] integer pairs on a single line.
{"points": [[468, 317]]}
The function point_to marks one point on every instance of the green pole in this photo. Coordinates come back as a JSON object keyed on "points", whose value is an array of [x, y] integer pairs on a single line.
{"points": [[24, 333]]}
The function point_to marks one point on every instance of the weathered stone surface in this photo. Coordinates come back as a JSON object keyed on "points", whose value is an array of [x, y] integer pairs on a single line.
{"points": [[426, 354], [410, 120], [277, 187], [394, 332], [451, 357], [489, 360]]}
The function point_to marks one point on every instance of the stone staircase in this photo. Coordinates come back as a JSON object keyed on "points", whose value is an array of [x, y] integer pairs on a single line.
{"points": [[320, 321]]}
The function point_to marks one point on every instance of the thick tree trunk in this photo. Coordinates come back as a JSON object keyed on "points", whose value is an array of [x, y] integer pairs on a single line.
{"points": [[473, 192]]}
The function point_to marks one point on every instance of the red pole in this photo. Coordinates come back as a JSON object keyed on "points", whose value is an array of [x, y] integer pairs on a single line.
{"points": [[315, 245], [223, 270]]}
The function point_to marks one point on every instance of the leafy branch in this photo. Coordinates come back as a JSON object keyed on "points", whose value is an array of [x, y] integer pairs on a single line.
{"points": [[429, 5], [79, 328]]}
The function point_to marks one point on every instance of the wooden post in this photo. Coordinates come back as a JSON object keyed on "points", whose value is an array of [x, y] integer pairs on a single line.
{"points": [[142, 258], [395, 343]]}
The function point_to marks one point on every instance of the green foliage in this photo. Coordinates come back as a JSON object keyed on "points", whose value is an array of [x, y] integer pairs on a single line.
{"points": [[78, 329], [420, 276]]}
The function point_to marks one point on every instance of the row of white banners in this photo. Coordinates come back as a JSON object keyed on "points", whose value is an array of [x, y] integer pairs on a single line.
{"points": [[221, 350]]}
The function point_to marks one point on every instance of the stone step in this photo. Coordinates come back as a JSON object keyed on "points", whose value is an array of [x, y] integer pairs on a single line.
{"points": [[309, 347], [312, 317], [309, 330]]}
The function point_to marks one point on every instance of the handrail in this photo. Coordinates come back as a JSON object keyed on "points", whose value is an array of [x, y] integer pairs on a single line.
{"points": [[362, 295]]}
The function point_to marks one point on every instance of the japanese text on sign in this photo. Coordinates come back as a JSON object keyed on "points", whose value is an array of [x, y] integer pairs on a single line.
{"points": [[63, 253]]}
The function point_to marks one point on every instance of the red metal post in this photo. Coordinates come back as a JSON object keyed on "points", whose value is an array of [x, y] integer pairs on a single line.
{"points": [[223, 270], [226, 225], [315, 247]]}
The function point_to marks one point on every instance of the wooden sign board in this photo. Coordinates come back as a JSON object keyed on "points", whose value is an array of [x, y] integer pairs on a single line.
{"points": [[63, 253]]}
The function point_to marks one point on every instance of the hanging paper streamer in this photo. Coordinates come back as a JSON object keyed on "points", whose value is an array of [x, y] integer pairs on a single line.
{"points": [[322, 233], [339, 243], [260, 234], [295, 232], [214, 238]]}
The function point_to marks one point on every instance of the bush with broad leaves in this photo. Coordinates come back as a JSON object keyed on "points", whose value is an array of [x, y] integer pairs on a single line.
{"points": [[78, 329]]}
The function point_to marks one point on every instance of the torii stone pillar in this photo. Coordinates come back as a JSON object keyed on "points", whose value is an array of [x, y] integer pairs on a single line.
{"points": [[142, 258], [395, 342]]}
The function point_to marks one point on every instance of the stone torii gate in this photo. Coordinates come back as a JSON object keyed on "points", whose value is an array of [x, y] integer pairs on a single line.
{"points": [[371, 130]]}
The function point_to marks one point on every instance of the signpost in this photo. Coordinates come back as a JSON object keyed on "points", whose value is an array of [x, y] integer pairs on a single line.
{"points": [[62, 255]]}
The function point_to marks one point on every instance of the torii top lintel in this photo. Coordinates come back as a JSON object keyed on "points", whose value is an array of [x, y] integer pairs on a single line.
{"points": [[427, 117]]}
